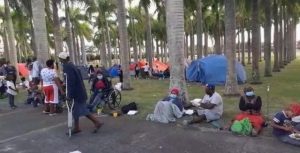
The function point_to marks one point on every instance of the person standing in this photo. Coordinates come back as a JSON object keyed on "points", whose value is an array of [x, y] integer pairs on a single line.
{"points": [[77, 92], [50, 83], [36, 69], [146, 70], [137, 71], [11, 91]]}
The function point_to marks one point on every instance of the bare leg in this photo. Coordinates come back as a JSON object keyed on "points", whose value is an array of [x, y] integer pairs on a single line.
{"points": [[97, 123], [47, 107]]}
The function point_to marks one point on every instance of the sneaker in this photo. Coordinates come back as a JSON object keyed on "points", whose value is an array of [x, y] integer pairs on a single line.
{"points": [[52, 114], [45, 112]]}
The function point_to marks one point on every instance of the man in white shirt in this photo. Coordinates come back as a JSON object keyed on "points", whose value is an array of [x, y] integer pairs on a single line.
{"points": [[146, 70], [36, 69], [212, 106]]}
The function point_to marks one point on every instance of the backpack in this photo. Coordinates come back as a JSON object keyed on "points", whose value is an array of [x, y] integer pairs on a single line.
{"points": [[126, 108], [242, 127]]}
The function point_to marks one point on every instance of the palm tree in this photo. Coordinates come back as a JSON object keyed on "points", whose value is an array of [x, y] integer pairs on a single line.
{"points": [[146, 4], [231, 87], [40, 30], [255, 42], [70, 41], [267, 34], [124, 49], [175, 33], [10, 35], [199, 28], [56, 28]]}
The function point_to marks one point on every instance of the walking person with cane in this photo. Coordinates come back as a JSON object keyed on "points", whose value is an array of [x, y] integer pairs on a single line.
{"points": [[77, 94]]}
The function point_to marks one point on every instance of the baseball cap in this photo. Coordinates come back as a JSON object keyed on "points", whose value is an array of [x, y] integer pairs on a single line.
{"points": [[63, 55], [210, 86]]}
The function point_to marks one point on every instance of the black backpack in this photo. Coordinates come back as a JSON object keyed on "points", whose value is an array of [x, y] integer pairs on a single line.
{"points": [[126, 108]]}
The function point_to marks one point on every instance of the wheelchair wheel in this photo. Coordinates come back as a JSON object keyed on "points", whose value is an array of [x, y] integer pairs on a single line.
{"points": [[114, 99]]}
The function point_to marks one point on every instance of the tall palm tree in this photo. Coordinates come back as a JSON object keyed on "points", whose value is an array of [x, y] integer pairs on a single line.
{"points": [[124, 49], [70, 41], [175, 33], [146, 4], [10, 35], [199, 29], [255, 42], [40, 30], [57, 32], [231, 87], [267, 34]]}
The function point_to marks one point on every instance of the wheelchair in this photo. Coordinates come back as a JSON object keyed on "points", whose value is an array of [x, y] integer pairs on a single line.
{"points": [[110, 97]]}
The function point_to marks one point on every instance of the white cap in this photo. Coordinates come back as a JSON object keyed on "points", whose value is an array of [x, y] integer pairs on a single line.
{"points": [[63, 55]]}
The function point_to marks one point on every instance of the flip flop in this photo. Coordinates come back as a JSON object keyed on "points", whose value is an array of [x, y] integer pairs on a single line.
{"points": [[97, 127]]}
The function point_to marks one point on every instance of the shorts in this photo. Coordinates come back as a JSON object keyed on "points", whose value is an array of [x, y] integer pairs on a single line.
{"points": [[51, 94], [210, 116]]}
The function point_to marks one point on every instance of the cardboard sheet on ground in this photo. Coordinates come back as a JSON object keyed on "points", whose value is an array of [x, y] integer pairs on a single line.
{"points": [[189, 112]]}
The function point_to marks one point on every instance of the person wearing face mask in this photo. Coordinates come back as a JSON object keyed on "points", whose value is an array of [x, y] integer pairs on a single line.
{"points": [[249, 102], [174, 98], [211, 106], [250, 106], [98, 85]]}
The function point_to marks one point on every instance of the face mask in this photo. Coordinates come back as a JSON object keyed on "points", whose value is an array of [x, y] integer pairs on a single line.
{"points": [[173, 95], [99, 77], [250, 93]]}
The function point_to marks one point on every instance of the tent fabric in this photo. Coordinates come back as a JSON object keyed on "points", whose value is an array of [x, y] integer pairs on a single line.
{"points": [[114, 71], [160, 66], [213, 70], [23, 71]]}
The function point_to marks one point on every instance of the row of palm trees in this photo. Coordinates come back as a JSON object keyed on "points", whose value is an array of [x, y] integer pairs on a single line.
{"points": [[95, 20]]}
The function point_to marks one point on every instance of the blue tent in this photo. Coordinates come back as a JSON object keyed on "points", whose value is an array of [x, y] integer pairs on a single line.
{"points": [[114, 71], [213, 69]]}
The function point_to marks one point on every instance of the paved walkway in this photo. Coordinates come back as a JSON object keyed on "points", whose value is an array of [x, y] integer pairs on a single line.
{"points": [[27, 130]]}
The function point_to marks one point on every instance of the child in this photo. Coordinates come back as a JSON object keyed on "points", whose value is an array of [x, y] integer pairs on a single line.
{"points": [[11, 91], [282, 127]]}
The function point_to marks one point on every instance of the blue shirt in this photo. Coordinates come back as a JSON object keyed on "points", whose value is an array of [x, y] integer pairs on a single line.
{"points": [[280, 119]]}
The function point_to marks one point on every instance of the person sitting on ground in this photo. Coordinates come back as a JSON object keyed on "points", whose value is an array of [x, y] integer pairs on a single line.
{"points": [[282, 127], [167, 110], [249, 102], [174, 98], [250, 106], [211, 106], [98, 86]]}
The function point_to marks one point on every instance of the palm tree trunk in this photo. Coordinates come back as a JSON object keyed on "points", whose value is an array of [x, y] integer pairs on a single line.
{"points": [[83, 51], [166, 52], [267, 35], [103, 53], [285, 33], [70, 41], [40, 30], [243, 46], [249, 47], [259, 46], [294, 32], [218, 37], [276, 67], [255, 42], [231, 86], [10, 36], [186, 45], [199, 29], [135, 48], [5, 43], [192, 46], [57, 33], [175, 33], [281, 44], [75, 51], [148, 38], [239, 47], [205, 44], [108, 43], [124, 49]]}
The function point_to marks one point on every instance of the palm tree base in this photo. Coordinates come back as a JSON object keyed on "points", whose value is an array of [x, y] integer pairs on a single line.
{"points": [[276, 70], [268, 75], [255, 82]]}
